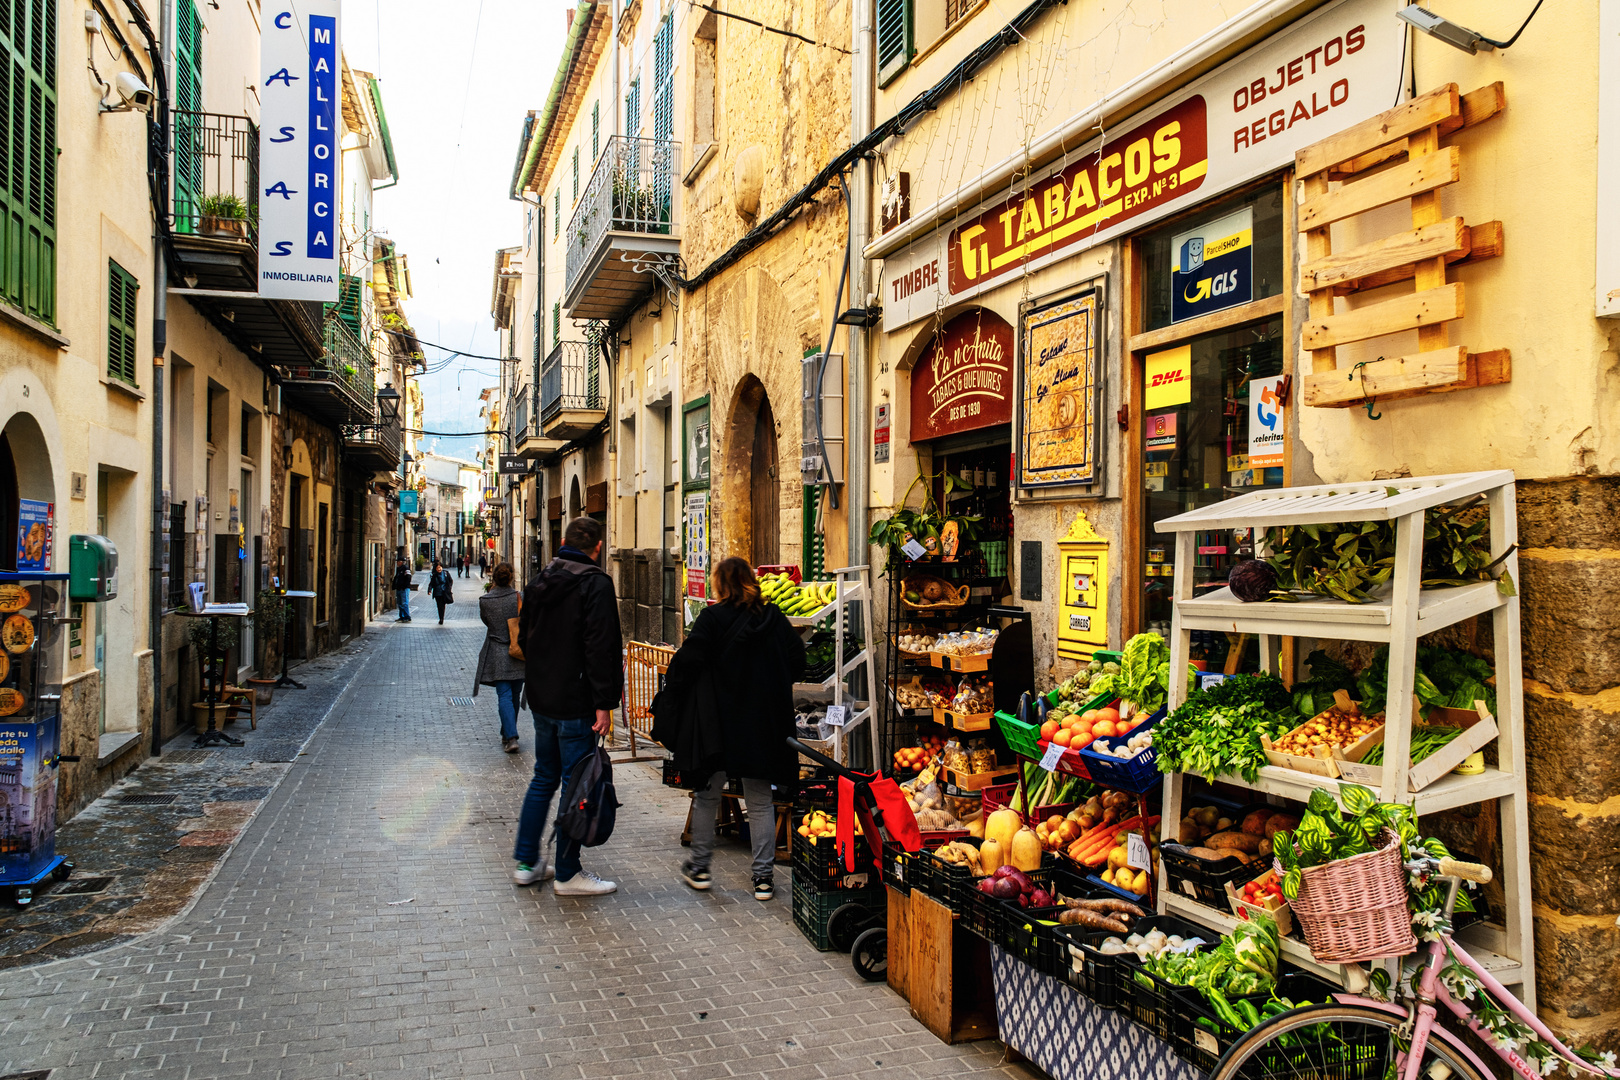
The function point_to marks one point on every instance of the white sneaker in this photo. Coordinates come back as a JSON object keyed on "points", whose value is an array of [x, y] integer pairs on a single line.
{"points": [[584, 883], [524, 874]]}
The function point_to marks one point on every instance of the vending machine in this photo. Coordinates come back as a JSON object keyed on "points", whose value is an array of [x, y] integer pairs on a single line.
{"points": [[32, 613]]}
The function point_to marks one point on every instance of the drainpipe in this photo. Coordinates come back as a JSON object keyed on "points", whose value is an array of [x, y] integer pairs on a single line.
{"points": [[160, 349], [857, 468]]}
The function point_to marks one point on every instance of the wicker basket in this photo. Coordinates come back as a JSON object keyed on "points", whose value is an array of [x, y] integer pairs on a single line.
{"points": [[1356, 909], [953, 596]]}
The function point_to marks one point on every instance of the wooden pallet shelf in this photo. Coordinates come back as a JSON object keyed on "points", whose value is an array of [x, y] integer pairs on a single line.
{"points": [[1389, 158]]}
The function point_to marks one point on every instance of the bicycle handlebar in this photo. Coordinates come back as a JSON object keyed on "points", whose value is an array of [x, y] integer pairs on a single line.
{"points": [[1467, 870]]}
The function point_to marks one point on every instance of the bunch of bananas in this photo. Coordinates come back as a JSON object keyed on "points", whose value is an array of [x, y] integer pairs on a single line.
{"points": [[805, 599]]}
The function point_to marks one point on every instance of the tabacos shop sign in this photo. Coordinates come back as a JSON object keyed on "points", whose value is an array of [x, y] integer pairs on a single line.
{"points": [[300, 60], [1334, 68]]}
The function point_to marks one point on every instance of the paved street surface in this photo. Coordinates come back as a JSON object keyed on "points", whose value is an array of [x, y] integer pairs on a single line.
{"points": [[365, 926]]}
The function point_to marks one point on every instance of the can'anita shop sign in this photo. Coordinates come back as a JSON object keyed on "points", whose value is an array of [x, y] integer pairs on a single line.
{"points": [[1326, 72], [964, 379]]}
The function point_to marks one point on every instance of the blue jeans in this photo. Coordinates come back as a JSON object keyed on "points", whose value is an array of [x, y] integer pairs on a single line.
{"points": [[558, 744], [404, 603], [509, 691]]}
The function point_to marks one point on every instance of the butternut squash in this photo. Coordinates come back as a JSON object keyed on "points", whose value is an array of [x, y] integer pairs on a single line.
{"points": [[990, 856], [1001, 826], [1025, 853]]}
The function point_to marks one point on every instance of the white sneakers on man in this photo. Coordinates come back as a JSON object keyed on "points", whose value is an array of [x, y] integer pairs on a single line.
{"points": [[524, 874], [584, 883]]}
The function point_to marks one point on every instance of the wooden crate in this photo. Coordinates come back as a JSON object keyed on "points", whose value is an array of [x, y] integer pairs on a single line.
{"points": [[980, 780], [899, 973], [948, 972], [1479, 728]]}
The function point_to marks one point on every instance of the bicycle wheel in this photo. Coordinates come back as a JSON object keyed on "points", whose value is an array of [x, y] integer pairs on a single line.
{"points": [[1334, 1042]]}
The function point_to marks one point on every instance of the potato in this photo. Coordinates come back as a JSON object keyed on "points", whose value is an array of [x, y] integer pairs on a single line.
{"points": [[1234, 841], [1254, 823], [1207, 816], [1207, 854]]}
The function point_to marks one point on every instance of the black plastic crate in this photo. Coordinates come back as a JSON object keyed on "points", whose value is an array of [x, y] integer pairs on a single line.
{"points": [[938, 878], [1028, 934], [812, 909], [993, 919], [1205, 880], [1147, 999], [1204, 1036], [816, 864], [1097, 974]]}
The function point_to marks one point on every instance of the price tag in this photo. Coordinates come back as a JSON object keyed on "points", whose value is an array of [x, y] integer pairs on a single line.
{"points": [[1053, 755], [913, 550], [836, 715], [1136, 851]]}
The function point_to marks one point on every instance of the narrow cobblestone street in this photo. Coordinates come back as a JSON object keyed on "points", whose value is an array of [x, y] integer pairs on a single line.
{"points": [[365, 926]]}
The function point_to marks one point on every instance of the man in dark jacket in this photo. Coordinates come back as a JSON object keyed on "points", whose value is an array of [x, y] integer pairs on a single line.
{"points": [[402, 589], [570, 634]]}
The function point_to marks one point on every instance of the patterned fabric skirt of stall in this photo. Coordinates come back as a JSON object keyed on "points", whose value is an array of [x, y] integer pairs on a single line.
{"points": [[1066, 1035]]}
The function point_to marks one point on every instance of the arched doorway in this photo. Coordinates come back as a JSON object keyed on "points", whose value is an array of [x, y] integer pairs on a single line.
{"points": [[751, 458], [25, 473]]}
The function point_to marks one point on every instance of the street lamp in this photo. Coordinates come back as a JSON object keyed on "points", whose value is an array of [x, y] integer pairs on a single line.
{"points": [[388, 403]]}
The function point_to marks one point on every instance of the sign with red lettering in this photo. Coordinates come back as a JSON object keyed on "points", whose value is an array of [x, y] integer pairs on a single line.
{"points": [[964, 379], [1323, 73]]}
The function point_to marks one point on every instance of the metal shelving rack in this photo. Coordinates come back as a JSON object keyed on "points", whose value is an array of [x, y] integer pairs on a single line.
{"points": [[854, 587], [1404, 613]]}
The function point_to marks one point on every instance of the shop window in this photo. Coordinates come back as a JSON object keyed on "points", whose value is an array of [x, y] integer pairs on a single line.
{"points": [[1219, 258], [1195, 448]]}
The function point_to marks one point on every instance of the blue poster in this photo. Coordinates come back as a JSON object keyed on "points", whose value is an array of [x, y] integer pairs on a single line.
{"points": [[1212, 266], [27, 798], [407, 502], [35, 521]]}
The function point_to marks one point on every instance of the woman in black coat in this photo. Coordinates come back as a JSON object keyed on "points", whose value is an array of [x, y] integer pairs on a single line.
{"points": [[441, 588], [727, 708]]}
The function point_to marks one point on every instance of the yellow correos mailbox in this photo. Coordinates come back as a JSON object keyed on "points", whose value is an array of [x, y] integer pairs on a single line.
{"points": [[1083, 617]]}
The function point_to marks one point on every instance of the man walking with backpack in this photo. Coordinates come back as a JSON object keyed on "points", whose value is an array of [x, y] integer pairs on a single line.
{"points": [[569, 629]]}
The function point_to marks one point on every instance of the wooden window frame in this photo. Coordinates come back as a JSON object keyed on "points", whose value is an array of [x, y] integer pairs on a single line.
{"points": [[1139, 343]]}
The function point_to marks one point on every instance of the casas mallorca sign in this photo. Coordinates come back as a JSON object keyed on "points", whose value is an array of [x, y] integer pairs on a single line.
{"points": [[964, 379]]}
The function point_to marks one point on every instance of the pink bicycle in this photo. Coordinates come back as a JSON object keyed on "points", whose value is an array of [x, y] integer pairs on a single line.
{"points": [[1363, 1038]]}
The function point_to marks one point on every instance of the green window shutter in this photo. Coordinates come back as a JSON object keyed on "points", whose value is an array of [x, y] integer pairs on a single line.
{"points": [[537, 335], [576, 174], [556, 213], [28, 156], [348, 302], [556, 321], [596, 130], [188, 127], [121, 292], [632, 108], [895, 46], [664, 80]]}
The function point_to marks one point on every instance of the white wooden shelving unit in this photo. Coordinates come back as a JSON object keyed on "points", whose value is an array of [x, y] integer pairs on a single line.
{"points": [[1403, 613], [854, 587]]}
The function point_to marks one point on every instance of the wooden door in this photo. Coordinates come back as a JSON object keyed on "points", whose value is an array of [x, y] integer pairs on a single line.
{"points": [[764, 491]]}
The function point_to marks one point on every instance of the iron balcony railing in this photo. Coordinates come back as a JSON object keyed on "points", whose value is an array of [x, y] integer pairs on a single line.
{"points": [[520, 415], [570, 379], [385, 438], [349, 362], [632, 189], [216, 176]]}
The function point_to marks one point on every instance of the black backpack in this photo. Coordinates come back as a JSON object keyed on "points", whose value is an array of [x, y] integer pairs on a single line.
{"points": [[589, 803]]}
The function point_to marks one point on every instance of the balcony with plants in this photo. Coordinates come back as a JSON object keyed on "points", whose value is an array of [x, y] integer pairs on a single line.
{"points": [[216, 199], [624, 221], [339, 387]]}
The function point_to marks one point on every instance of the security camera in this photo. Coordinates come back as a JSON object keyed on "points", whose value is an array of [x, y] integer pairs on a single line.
{"points": [[132, 93]]}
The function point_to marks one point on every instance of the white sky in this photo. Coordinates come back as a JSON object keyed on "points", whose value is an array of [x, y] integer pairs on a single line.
{"points": [[457, 79]]}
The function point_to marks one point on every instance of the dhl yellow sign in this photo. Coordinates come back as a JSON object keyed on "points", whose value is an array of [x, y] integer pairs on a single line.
{"points": [[1169, 378]]}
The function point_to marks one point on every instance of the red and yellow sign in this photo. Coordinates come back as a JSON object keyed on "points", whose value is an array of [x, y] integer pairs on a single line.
{"points": [[1169, 378], [964, 380], [1161, 160]]}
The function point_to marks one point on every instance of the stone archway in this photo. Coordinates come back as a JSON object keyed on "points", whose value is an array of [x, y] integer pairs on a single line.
{"points": [[752, 506], [25, 473], [576, 504]]}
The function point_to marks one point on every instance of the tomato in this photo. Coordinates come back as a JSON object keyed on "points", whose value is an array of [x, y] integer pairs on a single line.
{"points": [[1090, 715], [1063, 738], [1103, 729], [1049, 729], [1081, 739], [1110, 714], [1083, 726]]}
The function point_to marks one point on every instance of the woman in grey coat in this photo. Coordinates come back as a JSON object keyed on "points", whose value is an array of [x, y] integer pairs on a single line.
{"points": [[496, 667]]}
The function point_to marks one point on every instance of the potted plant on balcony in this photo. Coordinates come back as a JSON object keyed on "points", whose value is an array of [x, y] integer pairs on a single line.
{"points": [[223, 214], [636, 207]]}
